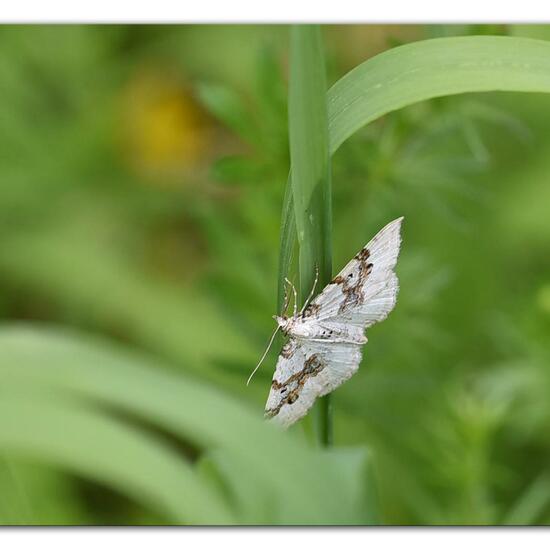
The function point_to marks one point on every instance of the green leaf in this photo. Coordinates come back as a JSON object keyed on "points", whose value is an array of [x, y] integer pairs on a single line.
{"points": [[89, 443], [433, 68], [245, 486], [531, 504], [286, 244], [310, 175], [356, 467], [301, 485], [309, 157], [34, 494], [426, 69]]}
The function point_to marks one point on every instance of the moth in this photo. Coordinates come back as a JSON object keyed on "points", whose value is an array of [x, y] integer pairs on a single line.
{"points": [[326, 337]]}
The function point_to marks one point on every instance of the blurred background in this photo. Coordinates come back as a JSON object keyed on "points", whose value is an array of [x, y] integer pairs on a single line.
{"points": [[142, 173]]}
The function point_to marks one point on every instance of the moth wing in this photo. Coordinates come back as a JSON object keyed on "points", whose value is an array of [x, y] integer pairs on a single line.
{"points": [[307, 370], [365, 291]]}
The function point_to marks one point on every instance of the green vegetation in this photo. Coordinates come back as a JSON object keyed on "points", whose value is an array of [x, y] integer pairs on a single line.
{"points": [[143, 251]]}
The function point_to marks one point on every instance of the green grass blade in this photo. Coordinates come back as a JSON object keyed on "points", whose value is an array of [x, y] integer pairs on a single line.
{"points": [[423, 70], [303, 485], [532, 503], [433, 68], [90, 443], [309, 157], [310, 173], [286, 244]]}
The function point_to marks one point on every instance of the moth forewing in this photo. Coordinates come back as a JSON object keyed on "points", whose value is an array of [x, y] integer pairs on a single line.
{"points": [[325, 340]]}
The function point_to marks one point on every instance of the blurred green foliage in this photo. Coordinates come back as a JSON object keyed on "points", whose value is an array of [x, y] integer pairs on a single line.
{"points": [[143, 170]]}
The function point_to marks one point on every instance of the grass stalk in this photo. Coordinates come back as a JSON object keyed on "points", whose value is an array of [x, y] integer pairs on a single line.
{"points": [[310, 178]]}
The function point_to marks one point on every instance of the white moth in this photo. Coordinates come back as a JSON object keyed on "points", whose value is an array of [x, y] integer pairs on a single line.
{"points": [[325, 339]]}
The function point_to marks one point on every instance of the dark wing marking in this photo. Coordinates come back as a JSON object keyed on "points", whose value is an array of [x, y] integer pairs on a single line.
{"points": [[365, 291], [312, 370]]}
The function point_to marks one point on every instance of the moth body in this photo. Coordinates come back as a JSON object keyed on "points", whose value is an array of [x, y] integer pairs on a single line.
{"points": [[303, 327], [297, 326]]}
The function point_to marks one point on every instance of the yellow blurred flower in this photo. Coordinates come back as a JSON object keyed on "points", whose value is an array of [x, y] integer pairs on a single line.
{"points": [[165, 132]]}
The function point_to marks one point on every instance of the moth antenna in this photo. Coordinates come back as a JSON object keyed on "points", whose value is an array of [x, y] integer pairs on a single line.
{"points": [[312, 290], [264, 355], [295, 296], [287, 299]]}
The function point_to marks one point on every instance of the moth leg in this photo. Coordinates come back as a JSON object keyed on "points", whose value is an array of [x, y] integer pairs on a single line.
{"points": [[295, 296], [312, 290]]}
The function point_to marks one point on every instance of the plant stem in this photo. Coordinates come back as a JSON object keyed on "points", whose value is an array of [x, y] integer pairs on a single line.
{"points": [[324, 421], [311, 175]]}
